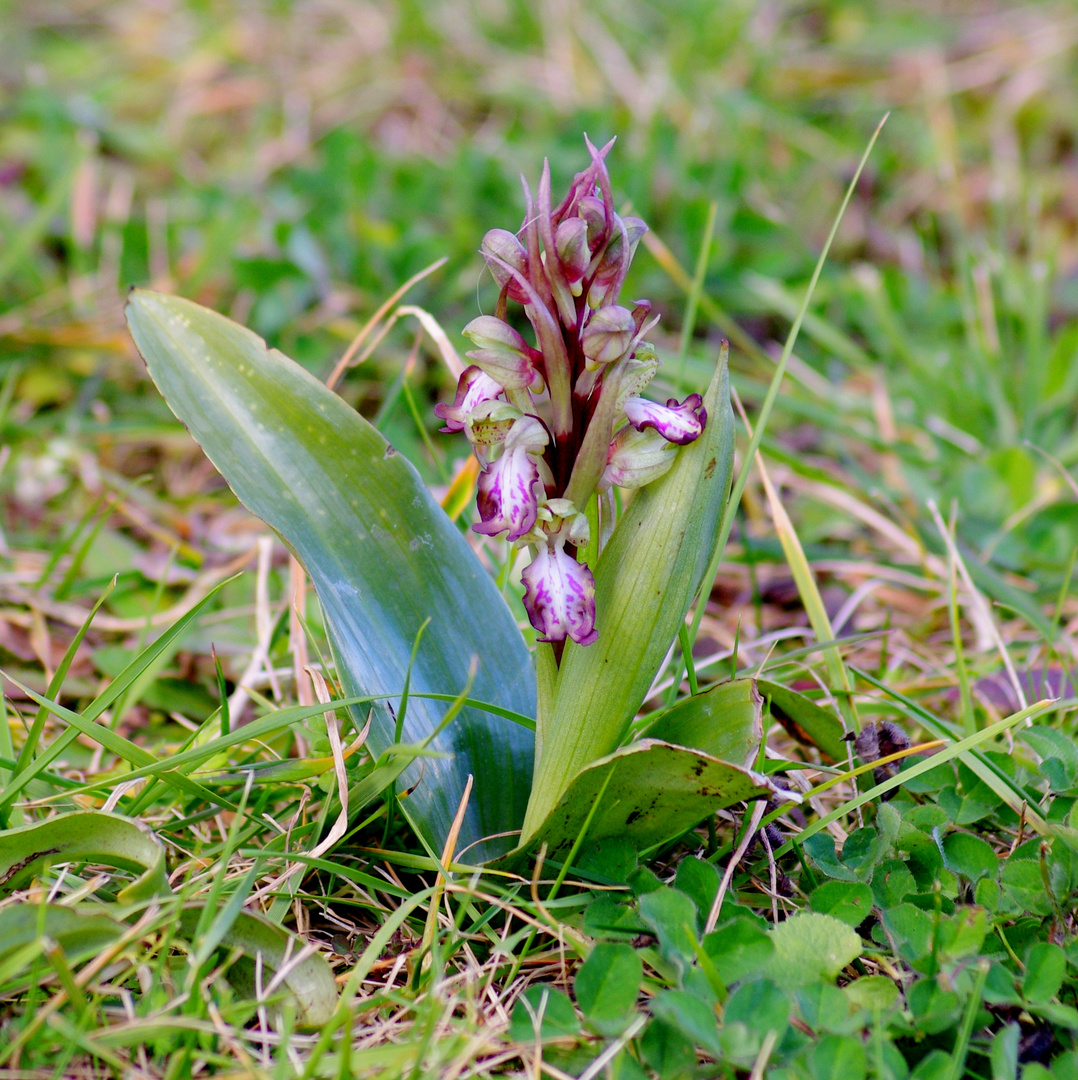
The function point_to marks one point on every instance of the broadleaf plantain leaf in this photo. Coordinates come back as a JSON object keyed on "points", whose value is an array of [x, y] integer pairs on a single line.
{"points": [[382, 554]]}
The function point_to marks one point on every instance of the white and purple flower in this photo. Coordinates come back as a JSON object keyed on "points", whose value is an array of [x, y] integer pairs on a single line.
{"points": [[679, 424], [508, 496], [559, 595]]}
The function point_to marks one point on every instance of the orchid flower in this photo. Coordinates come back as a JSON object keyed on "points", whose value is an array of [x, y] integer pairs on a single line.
{"points": [[557, 422]]}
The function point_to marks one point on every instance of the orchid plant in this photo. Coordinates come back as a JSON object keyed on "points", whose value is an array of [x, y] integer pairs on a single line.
{"points": [[414, 620], [555, 425]]}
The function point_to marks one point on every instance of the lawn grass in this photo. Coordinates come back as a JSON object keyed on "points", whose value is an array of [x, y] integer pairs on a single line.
{"points": [[292, 166]]}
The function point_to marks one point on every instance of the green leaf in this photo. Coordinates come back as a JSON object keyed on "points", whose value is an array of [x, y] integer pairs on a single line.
{"points": [[738, 948], [607, 984], [810, 946], [644, 583], [760, 1005], [911, 930], [934, 1008], [1023, 885], [672, 916], [381, 553], [805, 720], [969, 856], [79, 935], [544, 1009], [724, 721], [275, 951], [690, 1016], [85, 835], [1046, 966], [699, 881], [838, 1055], [1004, 1053], [849, 901], [877, 993], [655, 793]]}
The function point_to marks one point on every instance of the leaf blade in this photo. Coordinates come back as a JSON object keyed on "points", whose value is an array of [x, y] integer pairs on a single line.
{"points": [[383, 556]]}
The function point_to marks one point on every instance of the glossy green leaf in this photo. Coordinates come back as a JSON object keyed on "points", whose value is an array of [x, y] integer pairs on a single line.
{"points": [[264, 944], [381, 553], [724, 721], [85, 835], [644, 583], [653, 792]]}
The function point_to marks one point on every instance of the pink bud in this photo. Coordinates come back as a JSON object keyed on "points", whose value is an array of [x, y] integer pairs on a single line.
{"points": [[608, 334], [504, 355]]}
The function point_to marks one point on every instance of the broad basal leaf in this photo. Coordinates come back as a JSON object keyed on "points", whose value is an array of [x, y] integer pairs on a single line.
{"points": [[91, 836], [648, 792], [381, 553], [723, 721]]}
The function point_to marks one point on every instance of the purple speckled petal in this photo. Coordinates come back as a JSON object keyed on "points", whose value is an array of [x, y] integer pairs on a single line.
{"points": [[677, 423], [507, 495], [559, 594], [474, 387]]}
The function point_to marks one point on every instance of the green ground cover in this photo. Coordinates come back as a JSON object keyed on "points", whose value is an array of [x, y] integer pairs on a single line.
{"points": [[292, 165]]}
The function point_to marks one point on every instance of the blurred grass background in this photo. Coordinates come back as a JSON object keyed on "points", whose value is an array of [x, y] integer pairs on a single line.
{"points": [[291, 164]]}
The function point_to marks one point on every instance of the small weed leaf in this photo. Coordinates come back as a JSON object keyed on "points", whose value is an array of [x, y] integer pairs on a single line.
{"points": [[699, 881], [693, 1018], [738, 948], [1023, 887], [826, 1009], [810, 946], [1046, 966], [849, 901], [759, 1005], [544, 1009], [667, 1051], [673, 917], [969, 856], [607, 862], [1004, 1053], [875, 993], [911, 929], [934, 1009], [838, 1056], [607, 985]]}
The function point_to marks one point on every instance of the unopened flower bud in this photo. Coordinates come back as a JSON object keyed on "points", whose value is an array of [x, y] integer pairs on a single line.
{"points": [[608, 334], [504, 355], [506, 246], [571, 241], [636, 458]]}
